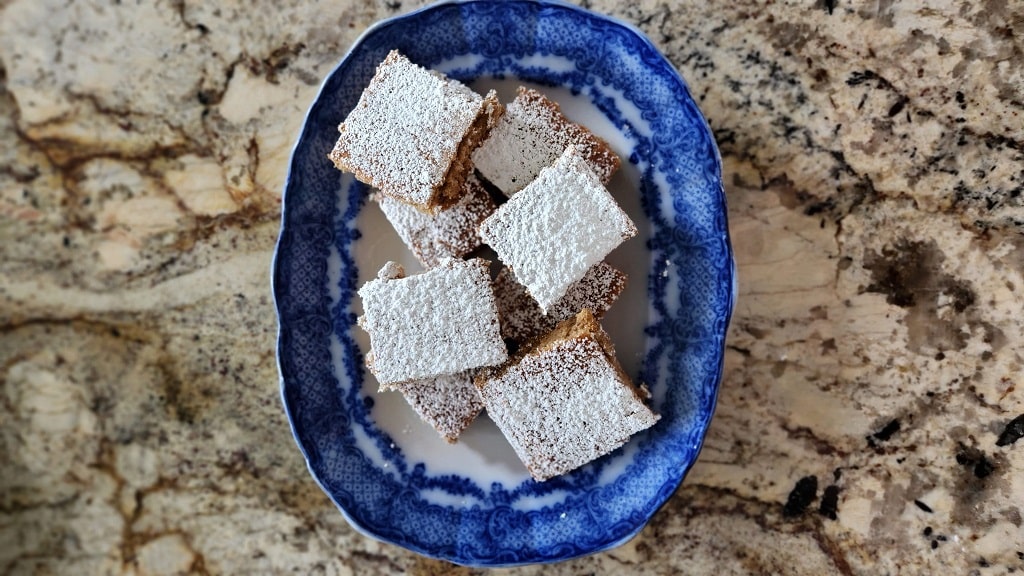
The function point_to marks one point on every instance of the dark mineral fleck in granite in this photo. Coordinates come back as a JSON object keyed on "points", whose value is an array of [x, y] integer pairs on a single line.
{"points": [[801, 496]]}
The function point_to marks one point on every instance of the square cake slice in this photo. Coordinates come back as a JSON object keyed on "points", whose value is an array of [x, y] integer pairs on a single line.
{"points": [[530, 136], [412, 133], [442, 321], [451, 233], [565, 400], [522, 319], [557, 228], [448, 403]]}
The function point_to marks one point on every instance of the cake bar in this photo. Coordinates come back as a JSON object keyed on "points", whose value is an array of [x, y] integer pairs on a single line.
{"points": [[450, 233], [530, 136], [565, 400], [412, 133], [442, 321], [448, 403], [522, 319], [556, 228]]}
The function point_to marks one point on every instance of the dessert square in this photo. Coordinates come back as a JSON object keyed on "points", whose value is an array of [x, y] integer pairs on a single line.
{"points": [[530, 136], [521, 317], [564, 401], [551, 232], [451, 233], [442, 321], [412, 133], [449, 403]]}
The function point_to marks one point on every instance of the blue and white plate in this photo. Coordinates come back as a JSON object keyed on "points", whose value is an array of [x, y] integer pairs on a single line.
{"points": [[474, 503]]}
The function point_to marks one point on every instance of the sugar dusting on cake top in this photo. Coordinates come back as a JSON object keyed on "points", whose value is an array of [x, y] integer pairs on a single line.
{"points": [[531, 135], [406, 129], [554, 230], [522, 318], [451, 233], [565, 401], [442, 321], [449, 403]]}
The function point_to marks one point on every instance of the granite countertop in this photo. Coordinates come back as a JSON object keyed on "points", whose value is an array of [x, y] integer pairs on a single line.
{"points": [[871, 406]]}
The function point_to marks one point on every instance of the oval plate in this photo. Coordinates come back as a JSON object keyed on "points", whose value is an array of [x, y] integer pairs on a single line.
{"points": [[473, 503]]}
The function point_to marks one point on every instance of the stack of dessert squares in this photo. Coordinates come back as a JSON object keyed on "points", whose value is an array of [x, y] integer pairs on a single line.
{"points": [[455, 171]]}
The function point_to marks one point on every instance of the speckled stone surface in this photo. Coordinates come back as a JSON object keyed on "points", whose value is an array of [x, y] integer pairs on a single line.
{"points": [[874, 164]]}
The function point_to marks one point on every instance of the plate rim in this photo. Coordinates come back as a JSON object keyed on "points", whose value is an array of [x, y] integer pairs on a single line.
{"points": [[275, 267]]}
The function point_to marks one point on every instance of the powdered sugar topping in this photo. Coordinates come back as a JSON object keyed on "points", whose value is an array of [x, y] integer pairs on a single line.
{"points": [[521, 318], [448, 403], [564, 406], [531, 135], [451, 233], [404, 132], [557, 228], [442, 321]]}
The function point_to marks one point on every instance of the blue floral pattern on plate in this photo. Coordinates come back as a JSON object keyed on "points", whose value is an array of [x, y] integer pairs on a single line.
{"points": [[690, 289]]}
